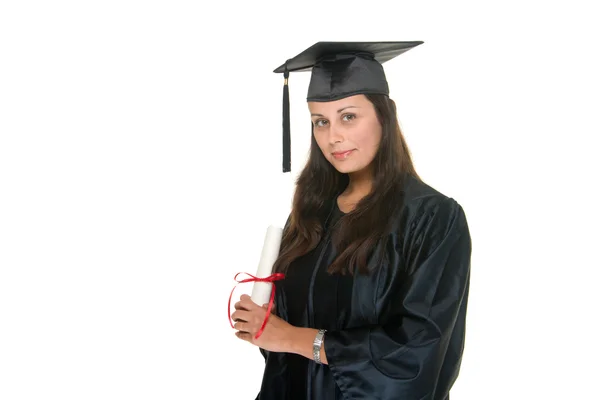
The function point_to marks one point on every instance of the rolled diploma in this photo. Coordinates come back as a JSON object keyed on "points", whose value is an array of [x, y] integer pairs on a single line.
{"points": [[261, 291]]}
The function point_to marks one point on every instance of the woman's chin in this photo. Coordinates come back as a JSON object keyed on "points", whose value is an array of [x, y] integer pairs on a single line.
{"points": [[345, 168]]}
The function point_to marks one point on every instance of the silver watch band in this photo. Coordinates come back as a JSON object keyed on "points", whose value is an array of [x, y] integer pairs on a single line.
{"points": [[317, 344]]}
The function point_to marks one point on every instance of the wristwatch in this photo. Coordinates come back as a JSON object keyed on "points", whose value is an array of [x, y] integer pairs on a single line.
{"points": [[317, 344]]}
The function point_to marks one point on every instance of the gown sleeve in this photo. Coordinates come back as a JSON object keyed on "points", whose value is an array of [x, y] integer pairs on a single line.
{"points": [[415, 349]]}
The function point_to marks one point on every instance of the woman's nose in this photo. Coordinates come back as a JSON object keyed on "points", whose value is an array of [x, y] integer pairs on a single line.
{"points": [[335, 134]]}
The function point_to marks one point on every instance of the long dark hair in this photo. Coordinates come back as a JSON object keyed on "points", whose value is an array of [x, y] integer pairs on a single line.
{"points": [[358, 231]]}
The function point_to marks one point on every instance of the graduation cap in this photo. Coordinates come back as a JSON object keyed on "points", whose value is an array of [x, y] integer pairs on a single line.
{"points": [[339, 69]]}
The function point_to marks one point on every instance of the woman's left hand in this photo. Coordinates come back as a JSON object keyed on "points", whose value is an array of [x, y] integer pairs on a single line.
{"points": [[249, 317]]}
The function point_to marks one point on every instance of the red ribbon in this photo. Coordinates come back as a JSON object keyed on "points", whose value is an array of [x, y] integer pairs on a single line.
{"points": [[270, 278]]}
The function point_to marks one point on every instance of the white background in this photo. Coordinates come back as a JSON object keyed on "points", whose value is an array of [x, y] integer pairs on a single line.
{"points": [[140, 167]]}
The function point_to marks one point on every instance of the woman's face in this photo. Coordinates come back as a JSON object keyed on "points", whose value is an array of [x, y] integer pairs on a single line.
{"points": [[347, 131]]}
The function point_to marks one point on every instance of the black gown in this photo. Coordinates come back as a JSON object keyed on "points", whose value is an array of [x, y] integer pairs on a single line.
{"points": [[397, 333]]}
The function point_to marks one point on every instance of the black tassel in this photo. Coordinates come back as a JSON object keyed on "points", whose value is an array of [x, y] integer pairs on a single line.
{"points": [[287, 158]]}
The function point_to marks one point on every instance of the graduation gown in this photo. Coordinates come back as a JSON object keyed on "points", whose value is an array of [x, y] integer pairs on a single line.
{"points": [[397, 333]]}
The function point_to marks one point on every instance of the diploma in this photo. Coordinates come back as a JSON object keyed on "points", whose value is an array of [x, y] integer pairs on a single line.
{"points": [[261, 291]]}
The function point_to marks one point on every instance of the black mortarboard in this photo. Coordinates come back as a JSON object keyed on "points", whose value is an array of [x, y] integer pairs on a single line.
{"points": [[339, 69]]}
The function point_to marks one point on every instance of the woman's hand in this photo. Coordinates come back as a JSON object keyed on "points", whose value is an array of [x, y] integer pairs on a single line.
{"points": [[249, 317]]}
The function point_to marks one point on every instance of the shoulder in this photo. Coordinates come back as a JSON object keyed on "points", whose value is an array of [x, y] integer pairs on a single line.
{"points": [[423, 207], [416, 190], [429, 222]]}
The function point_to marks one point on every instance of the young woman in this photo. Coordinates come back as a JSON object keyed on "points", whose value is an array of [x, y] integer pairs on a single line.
{"points": [[376, 262]]}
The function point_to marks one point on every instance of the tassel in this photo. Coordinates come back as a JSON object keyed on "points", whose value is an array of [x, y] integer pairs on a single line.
{"points": [[287, 158]]}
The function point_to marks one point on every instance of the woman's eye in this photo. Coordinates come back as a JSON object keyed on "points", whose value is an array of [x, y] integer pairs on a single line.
{"points": [[348, 117], [320, 122]]}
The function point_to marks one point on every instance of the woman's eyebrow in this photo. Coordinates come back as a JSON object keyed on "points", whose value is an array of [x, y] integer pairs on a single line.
{"points": [[344, 108], [339, 111]]}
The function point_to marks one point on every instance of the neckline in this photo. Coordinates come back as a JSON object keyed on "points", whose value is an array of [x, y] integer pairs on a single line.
{"points": [[337, 206]]}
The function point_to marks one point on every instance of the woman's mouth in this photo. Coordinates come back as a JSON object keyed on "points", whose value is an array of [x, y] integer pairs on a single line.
{"points": [[342, 155]]}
